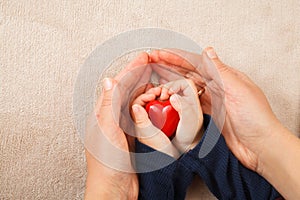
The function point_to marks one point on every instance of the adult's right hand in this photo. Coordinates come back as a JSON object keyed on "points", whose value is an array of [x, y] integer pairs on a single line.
{"points": [[251, 129], [249, 119]]}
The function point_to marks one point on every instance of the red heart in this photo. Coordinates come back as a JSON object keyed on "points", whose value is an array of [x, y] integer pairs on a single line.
{"points": [[163, 116]]}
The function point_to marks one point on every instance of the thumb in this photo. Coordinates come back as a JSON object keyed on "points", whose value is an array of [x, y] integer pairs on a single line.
{"points": [[184, 107], [177, 103], [186, 112], [106, 95], [144, 128], [187, 130], [217, 75], [212, 67], [107, 108], [140, 116], [212, 55], [148, 134]]}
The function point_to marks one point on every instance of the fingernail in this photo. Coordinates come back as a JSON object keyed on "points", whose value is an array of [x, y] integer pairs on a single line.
{"points": [[148, 51], [174, 100], [135, 108], [107, 84], [211, 53], [188, 75]]}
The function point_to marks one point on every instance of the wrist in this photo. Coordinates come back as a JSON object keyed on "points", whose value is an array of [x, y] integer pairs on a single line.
{"points": [[184, 147], [278, 161], [103, 182], [271, 148], [124, 186]]}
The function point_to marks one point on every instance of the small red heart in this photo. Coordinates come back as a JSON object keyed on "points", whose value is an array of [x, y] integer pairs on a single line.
{"points": [[163, 116]]}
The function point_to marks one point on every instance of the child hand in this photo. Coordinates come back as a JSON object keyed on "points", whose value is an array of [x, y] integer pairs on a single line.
{"points": [[146, 132], [184, 99]]}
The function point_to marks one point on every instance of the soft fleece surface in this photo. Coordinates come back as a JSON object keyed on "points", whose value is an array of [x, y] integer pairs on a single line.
{"points": [[44, 43]]}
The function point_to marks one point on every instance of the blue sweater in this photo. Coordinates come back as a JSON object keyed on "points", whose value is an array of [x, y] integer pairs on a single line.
{"points": [[224, 175]]}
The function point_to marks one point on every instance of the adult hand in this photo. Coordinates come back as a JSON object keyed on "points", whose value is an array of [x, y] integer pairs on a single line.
{"points": [[251, 129], [104, 179], [184, 99], [244, 102]]}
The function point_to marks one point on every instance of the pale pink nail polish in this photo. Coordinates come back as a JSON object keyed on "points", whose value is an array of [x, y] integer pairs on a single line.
{"points": [[211, 53], [107, 84]]}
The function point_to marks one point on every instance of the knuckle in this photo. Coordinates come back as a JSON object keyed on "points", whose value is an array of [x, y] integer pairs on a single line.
{"points": [[106, 101]]}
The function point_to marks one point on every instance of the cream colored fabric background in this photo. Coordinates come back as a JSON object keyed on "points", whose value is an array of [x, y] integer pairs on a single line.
{"points": [[44, 43]]}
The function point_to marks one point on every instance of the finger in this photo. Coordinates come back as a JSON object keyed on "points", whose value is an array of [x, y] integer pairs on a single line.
{"points": [[145, 75], [175, 101], [186, 63], [171, 73], [106, 117], [139, 91], [137, 73], [164, 93], [184, 86], [185, 109], [175, 59], [141, 60], [205, 102], [148, 134], [155, 90], [210, 52], [223, 69], [154, 57], [149, 95], [196, 78], [148, 86], [105, 114], [144, 98], [166, 72], [178, 71], [185, 60], [141, 119], [162, 81], [217, 76]]}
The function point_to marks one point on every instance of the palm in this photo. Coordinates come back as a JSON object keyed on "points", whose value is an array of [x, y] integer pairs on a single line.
{"points": [[242, 99]]}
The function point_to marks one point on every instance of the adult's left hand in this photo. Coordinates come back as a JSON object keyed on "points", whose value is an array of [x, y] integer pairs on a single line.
{"points": [[105, 180]]}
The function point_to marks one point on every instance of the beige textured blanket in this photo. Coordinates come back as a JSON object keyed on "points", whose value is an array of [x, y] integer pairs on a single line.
{"points": [[44, 43]]}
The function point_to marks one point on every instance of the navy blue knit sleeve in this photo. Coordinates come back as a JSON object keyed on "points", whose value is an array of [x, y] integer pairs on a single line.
{"points": [[156, 179], [165, 178], [224, 175]]}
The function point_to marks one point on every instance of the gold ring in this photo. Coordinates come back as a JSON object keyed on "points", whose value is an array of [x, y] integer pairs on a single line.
{"points": [[201, 91]]}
